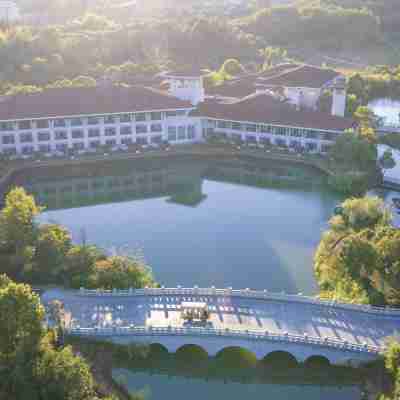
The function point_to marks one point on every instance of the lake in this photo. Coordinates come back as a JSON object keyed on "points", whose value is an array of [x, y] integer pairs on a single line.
{"points": [[158, 387], [216, 222], [387, 109]]}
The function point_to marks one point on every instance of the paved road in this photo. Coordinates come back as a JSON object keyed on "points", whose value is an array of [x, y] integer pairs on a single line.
{"points": [[233, 313]]}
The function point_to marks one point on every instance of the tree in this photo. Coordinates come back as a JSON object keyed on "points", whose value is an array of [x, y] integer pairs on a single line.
{"points": [[52, 245], [273, 55], [17, 220], [62, 375], [21, 318], [386, 161], [352, 150], [357, 259], [120, 273]]}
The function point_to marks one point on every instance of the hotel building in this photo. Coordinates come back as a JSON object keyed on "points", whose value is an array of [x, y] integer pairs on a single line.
{"points": [[57, 120]]}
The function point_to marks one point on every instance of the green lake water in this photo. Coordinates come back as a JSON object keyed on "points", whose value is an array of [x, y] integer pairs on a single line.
{"points": [[199, 223]]}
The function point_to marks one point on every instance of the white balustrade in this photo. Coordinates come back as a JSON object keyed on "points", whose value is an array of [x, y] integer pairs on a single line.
{"points": [[248, 335], [247, 293]]}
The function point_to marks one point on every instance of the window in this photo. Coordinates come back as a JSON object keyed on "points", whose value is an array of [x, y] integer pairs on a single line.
{"points": [[156, 139], [251, 128], [59, 123], [310, 146], [42, 124], [171, 136], [6, 126], [111, 142], [125, 118], [43, 136], [8, 139], [170, 114], [222, 124], [156, 116], [311, 134], [45, 148], [141, 129], [280, 130], [78, 146], [61, 147], [141, 140], [110, 132], [109, 119], [125, 130], [296, 132], [180, 113], [191, 132], [61, 135], [24, 125], [93, 120], [10, 151], [181, 133], [126, 140], [27, 150], [295, 144], [94, 132], [76, 122], [236, 126], [140, 117], [77, 134], [94, 144], [156, 128], [265, 128], [26, 137]]}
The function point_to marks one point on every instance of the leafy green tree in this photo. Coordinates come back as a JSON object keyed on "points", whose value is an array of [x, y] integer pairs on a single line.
{"points": [[21, 318], [387, 161], [353, 151], [272, 56], [357, 259], [121, 273], [80, 264], [52, 245], [62, 375], [18, 220]]}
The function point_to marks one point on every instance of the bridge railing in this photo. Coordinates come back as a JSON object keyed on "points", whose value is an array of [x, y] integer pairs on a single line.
{"points": [[211, 332], [244, 293]]}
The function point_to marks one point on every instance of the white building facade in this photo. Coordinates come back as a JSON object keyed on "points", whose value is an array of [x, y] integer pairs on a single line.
{"points": [[9, 11]]}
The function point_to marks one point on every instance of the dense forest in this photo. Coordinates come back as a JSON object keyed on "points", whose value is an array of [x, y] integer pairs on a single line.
{"points": [[86, 38]]}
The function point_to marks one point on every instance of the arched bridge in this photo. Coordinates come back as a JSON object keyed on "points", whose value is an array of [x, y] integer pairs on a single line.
{"points": [[255, 320]]}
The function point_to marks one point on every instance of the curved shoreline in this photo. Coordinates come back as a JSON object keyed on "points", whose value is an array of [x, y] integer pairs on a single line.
{"points": [[198, 150]]}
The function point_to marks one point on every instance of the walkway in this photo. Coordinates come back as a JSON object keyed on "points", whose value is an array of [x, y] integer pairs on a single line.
{"points": [[239, 311]]}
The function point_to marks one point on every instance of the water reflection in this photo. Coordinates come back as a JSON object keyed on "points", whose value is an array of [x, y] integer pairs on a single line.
{"points": [[226, 222], [158, 387]]}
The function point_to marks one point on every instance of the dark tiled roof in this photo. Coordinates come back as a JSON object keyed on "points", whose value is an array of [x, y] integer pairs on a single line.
{"points": [[238, 88], [81, 101], [263, 108], [301, 76]]}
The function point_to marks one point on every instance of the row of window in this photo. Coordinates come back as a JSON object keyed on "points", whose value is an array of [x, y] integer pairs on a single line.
{"points": [[94, 120], [310, 146], [27, 137], [174, 133], [275, 130]]}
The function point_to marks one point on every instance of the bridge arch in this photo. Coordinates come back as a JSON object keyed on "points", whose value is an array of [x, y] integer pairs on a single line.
{"points": [[236, 355], [191, 352], [157, 351], [317, 361], [280, 359]]}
